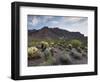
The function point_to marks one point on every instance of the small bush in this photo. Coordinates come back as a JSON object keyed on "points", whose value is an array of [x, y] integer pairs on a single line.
{"points": [[52, 44], [66, 59], [75, 43], [47, 54], [79, 49], [84, 54], [49, 61], [76, 54]]}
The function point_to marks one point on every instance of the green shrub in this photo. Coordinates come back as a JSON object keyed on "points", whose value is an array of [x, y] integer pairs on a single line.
{"points": [[65, 58], [75, 43], [47, 54], [76, 54]]}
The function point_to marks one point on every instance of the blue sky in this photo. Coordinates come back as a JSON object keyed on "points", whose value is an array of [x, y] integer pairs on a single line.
{"points": [[70, 23]]}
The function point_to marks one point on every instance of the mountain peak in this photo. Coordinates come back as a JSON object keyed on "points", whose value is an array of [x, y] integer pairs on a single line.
{"points": [[54, 33], [45, 27]]}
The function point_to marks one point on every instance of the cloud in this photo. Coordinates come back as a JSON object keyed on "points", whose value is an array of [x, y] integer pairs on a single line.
{"points": [[35, 21], [70, 23], [46, 19], [72, 20], [78, 25]]}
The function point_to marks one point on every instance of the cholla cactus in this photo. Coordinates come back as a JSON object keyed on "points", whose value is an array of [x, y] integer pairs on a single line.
{"points": [[52, 43], [32, 51], [70, 46], [44, 44]]}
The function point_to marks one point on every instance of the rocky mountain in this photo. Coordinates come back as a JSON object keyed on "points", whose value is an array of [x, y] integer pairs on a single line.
{"points": [[54, 33]]}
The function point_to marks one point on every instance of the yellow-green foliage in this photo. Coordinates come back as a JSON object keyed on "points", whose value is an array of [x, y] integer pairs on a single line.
{"points": [[69, 46], [75, 43], [45, 44], [32, 51], [52, 43]]}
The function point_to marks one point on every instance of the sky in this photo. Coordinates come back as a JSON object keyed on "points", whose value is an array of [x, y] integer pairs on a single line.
{"points": [[70, 23]]}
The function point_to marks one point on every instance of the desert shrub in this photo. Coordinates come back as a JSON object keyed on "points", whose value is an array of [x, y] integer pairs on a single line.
{"points": [[32, 43], [75, 43], [32, 51], [50, 61], [47, 54], [84, 54], [76, 54], [65, 58], [86, 49], [52, 44], [83, 45], [79, 49]]}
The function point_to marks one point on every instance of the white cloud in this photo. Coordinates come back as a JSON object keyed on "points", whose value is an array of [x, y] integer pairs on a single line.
{"points": [[35, 21], [77, 27], [47, 18], [72, 20], [76, 24]]}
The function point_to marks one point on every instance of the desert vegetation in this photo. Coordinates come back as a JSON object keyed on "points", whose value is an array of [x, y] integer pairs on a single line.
{"points": [[44, 52], [57, 40]]}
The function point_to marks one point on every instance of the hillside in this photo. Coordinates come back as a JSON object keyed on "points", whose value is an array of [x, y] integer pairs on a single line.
{"points": [[54, 33]]}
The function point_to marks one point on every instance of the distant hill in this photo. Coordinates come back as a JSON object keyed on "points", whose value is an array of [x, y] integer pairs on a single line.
{"points": [[54, 33]]}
